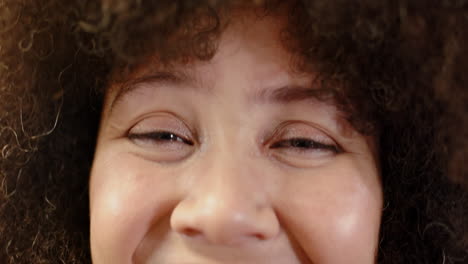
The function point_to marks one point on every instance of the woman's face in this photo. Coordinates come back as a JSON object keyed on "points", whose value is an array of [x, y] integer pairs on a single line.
{"points": [[231, 161]]}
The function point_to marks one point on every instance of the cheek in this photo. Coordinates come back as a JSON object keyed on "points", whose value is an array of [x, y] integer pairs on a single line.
{"points": [[124, 202], [335, 213]]}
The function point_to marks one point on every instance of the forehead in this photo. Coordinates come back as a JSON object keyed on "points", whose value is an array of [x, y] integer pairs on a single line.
{"points": [[253, 47], [250, 47]]}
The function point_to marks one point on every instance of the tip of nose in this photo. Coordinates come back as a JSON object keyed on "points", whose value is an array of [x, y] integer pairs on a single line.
{"points": [[224, 225]]}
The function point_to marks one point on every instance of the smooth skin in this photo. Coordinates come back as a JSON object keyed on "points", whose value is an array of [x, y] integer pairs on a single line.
{"points": [[229, 161]]}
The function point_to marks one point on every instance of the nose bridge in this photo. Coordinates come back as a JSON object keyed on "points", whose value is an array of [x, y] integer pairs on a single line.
{"points": [[228, 169], [227, 186], [228, 183], [230, 177], [225, 204]]}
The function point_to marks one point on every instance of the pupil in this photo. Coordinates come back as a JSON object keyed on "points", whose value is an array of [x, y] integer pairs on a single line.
{"points": [[168, 136], [300, 143]]}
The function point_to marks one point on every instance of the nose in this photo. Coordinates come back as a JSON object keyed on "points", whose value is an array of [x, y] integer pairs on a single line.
{"points": [[225, 206]]}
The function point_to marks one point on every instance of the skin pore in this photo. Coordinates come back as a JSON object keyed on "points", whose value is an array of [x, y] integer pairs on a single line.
{"points": [[231, 161]]}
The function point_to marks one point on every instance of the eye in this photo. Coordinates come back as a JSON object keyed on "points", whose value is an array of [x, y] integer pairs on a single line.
{"points": [[304, 144], [301, 144], [162, 138], [159, 137]]}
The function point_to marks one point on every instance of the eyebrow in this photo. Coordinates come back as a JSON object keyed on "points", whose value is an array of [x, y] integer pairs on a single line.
{"points": [[284, 94], [293, 93], [157, 79]]}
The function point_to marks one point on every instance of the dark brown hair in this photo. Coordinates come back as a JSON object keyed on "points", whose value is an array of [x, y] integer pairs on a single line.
{"points": [[396, 67]]}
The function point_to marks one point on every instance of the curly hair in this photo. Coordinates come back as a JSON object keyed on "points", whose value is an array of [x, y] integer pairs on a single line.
{"points": [[400, 65]]}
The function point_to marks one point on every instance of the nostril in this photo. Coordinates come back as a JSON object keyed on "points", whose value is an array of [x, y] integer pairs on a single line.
{"points": [[191, 232], [259, 236]]}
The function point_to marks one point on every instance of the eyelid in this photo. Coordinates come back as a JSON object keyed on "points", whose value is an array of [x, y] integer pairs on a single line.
{"points": [[173, 123], [152, 136], [319, 134], [315, 144]]}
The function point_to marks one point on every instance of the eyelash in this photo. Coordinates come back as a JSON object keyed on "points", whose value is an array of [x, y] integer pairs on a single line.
{"points": [[305, 144], [160, 137]]}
